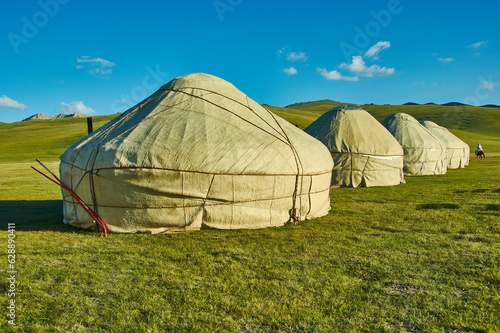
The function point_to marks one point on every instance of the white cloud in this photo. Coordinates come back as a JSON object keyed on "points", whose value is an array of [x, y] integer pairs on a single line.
{"points": [[290, 71], [78, 107], [477, 45], [100, 61], [101, 71], [335, 75], [7, 102], [488, 85], [446, 60], [98, 67], [420, 83], [283, 50], [358, 67], [295, 56], [375, 49]]}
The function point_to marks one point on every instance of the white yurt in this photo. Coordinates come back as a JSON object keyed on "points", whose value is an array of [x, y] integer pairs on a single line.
{"points": [[198, 153], [457, 151], [423, 152], [363, 151]]}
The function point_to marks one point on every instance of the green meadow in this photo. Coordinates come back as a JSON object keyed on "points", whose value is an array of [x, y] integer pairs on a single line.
{"points": [[419, 257]]}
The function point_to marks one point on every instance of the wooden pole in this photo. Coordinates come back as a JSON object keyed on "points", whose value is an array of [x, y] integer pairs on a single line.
{"points": [[90, 126]]}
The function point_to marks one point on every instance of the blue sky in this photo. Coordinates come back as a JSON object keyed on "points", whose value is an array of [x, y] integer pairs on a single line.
{"points": [[102, 57]]}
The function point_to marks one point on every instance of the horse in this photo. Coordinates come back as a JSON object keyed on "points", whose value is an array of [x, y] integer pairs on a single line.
{"points": [[480, 155]]}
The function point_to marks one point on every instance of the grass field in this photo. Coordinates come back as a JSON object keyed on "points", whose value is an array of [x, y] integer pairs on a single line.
{"points": [[419, 257], [27, 140]]}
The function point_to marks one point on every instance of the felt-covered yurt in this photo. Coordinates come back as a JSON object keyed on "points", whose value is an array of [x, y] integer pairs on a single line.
{"points": [[457, 151], [197, 153], [363, 151], [423, 152]]}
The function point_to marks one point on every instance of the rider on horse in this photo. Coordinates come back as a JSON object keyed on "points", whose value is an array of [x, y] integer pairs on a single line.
{"points": [[480, 152]]}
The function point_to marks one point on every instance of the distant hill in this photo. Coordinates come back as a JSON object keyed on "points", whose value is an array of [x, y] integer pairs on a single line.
{"points": [[446, 104], [319, 105], [303, 105], [41, 116], [38, 116], [455, 104]]}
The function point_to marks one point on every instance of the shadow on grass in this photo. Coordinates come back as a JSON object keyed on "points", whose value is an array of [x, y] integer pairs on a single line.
{"points": [[479, 190], [465, 330], [438, 206], [493, 207], [34, 216]]}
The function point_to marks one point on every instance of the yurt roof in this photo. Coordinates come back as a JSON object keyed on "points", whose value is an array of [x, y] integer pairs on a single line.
{"points": [[351, 129], [449, 139], [410, 133], [201, 123]]}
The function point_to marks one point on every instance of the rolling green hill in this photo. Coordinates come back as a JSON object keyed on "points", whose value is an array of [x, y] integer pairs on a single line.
{"points": [[28, 140], [471, 124], [303, 105], [466, 118]]}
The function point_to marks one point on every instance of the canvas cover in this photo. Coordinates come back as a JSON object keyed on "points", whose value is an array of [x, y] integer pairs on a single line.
{"points": [[364, 152], [423, 152], [197, 153], [457, 151]]}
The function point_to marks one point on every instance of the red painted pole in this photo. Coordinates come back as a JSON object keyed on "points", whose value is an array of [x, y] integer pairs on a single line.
{"points": [[93, 215]]}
